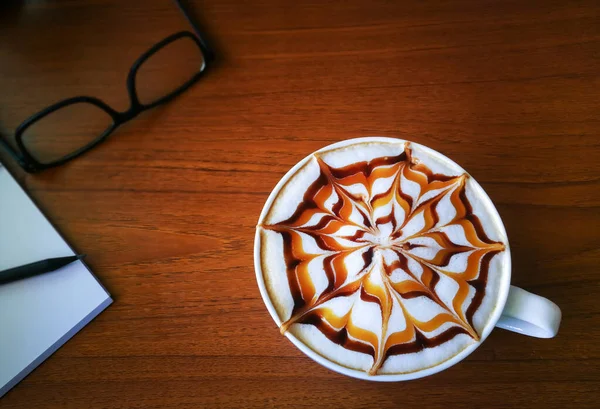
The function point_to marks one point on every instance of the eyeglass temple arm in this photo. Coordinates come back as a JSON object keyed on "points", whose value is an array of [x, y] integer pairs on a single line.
{"points": [[185, 9]]}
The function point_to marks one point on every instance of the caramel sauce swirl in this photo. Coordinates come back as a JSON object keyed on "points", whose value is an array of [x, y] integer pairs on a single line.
{"points": [[390, 230]]}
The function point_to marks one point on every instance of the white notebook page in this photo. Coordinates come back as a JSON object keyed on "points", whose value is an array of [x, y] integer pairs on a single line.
{"points": [[38, 314]]}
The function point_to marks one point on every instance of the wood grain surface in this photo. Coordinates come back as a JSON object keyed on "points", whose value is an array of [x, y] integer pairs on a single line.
{"points": [[166, 208]]}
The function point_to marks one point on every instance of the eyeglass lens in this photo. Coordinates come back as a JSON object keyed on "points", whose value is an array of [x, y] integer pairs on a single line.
{"points": [[65, 131], [167, 70]]}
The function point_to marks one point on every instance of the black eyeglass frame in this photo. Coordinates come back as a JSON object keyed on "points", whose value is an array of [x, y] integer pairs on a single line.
{"points": [[30, 164]]}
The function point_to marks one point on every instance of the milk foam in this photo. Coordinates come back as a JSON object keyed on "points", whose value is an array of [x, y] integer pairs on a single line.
{"points": [[400, 268]]}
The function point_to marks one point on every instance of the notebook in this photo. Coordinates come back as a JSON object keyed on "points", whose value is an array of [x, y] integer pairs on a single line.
{"points": [[39, 314]]}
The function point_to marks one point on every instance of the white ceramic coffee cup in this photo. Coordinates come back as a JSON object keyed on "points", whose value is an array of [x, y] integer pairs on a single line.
{"points": [[522, 312]]}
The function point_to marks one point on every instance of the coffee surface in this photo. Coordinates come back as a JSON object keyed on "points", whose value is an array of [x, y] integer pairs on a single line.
{"points": [[382, 257]]}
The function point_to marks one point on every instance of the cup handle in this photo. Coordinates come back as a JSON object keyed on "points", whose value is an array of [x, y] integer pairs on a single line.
{"points": [[529, 314]]}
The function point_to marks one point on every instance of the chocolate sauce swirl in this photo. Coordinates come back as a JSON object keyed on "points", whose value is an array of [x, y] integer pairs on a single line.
{"points": [[387, 229]]}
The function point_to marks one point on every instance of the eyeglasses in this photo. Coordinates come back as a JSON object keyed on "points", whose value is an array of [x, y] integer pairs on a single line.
{"points": [[54, 136]]}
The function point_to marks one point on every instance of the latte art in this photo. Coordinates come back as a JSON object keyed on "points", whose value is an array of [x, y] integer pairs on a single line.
{"points": [[378, 262]]}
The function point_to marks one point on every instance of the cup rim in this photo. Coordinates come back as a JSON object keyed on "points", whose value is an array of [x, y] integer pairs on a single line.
{"points": [[355, 373]]}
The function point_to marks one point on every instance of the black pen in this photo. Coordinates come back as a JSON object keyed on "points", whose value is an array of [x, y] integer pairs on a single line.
{"points": [[37, 268]]}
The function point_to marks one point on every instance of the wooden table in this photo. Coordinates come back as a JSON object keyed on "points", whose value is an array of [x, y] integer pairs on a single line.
{"points": [[166, 208]]}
